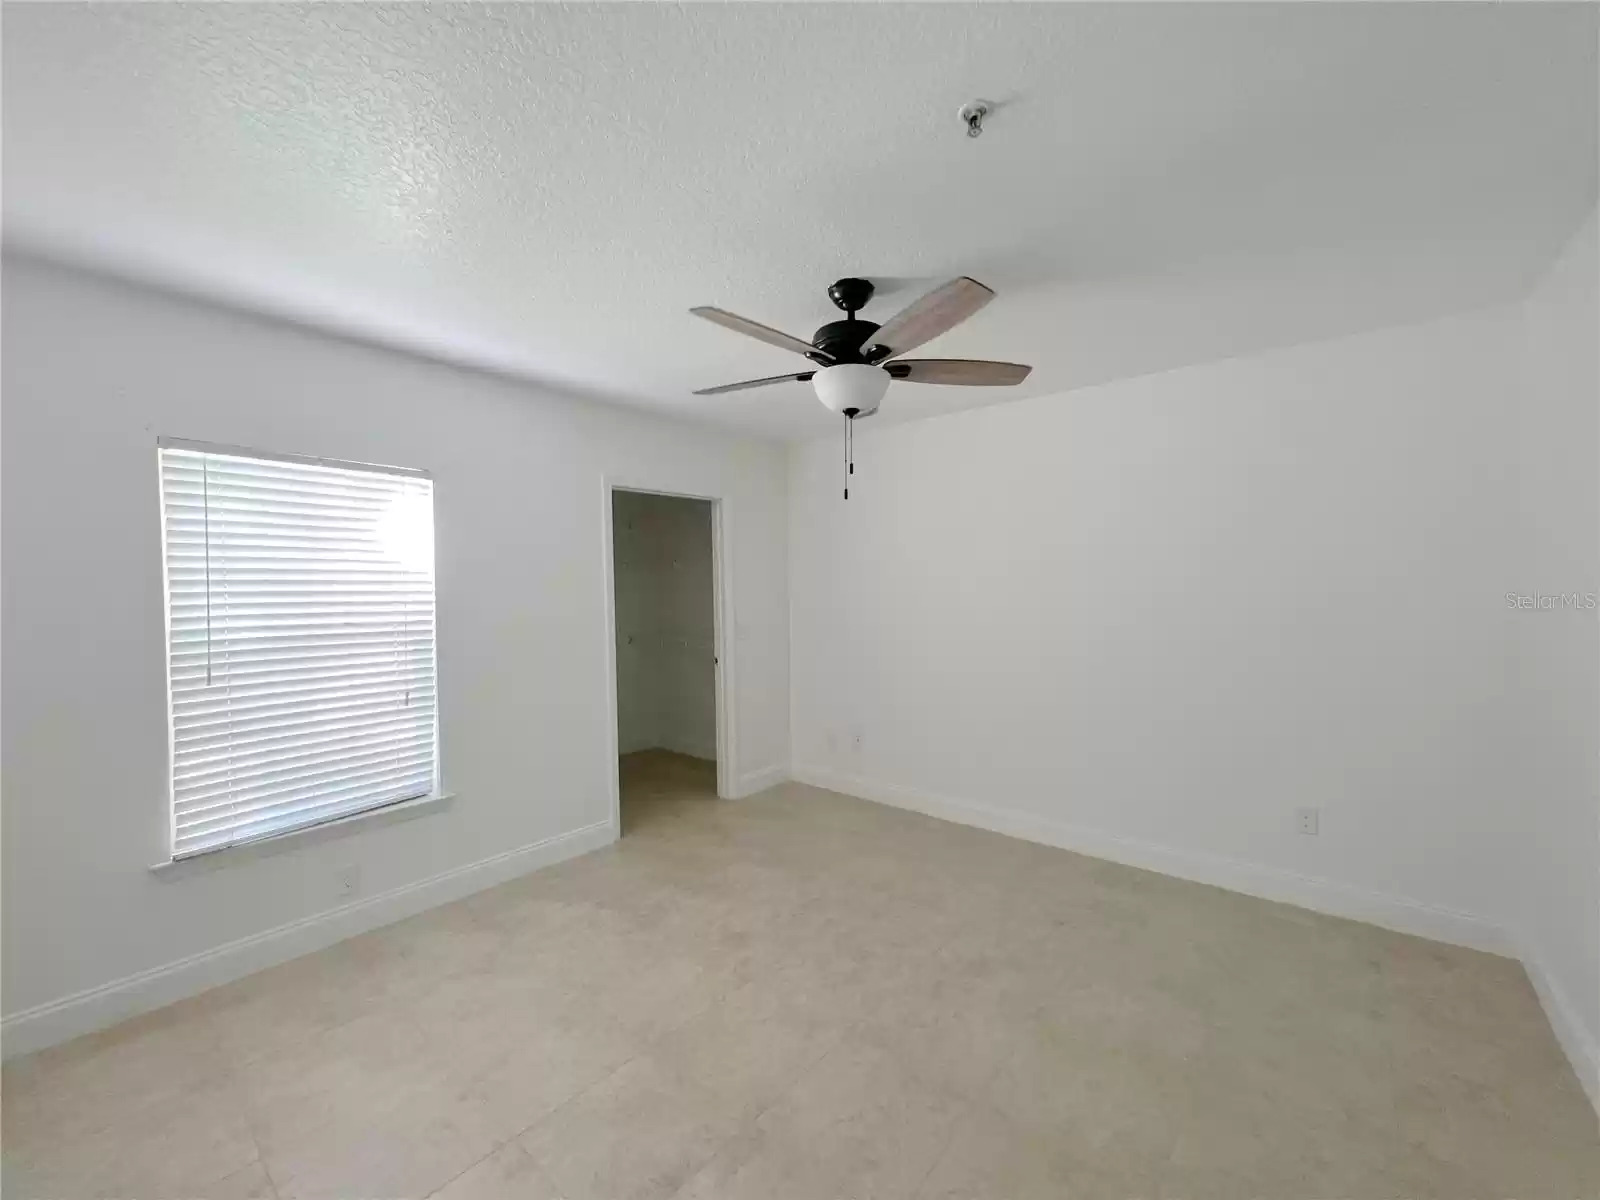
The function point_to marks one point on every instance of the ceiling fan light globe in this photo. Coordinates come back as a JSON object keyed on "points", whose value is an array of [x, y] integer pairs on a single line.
{"points": [[851, 386]]}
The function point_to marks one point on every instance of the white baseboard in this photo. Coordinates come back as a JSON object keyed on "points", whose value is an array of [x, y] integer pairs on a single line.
{"points": [[705, 751], [1575, 1039], [1269, 883], [1319, 895], [752, 782], [86, 1011], [687, 746]]}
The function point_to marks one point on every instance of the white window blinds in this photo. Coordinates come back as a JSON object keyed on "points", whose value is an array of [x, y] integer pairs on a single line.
{"points": [[300, 641]]}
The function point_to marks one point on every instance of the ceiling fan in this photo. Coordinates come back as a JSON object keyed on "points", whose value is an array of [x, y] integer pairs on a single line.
{"points": [[858, 359]]}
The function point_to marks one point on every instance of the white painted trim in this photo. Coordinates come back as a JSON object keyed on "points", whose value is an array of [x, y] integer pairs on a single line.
{"points": [[310, 460], [1269, 883], [759, 781], [608, 603], [296, 839], [724, 626], [704, 751], [723, 621], [1319, 895], [96, 1008], [1581, 1048]]}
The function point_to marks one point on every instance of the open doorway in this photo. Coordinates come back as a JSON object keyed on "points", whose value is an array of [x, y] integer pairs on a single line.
{"points": [[665, 587]]}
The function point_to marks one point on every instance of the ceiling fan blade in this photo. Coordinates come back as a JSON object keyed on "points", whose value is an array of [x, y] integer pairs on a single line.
{"points": [[755, 329], [945, 307], [964, 372], [755, 383]]}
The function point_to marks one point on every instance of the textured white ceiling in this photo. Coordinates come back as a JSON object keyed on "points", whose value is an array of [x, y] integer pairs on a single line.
{"points": [[546, 190]]}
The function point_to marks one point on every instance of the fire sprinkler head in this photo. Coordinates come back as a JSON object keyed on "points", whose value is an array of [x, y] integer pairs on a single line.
{"points": [[972, 114]]}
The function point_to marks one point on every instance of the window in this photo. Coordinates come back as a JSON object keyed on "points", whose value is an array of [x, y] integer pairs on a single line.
{"points": [[300, 637]]}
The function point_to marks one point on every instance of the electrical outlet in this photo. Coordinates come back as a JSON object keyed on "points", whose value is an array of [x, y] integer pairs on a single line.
{"points": [[1306, 821], [855, 742], [349, 881]]}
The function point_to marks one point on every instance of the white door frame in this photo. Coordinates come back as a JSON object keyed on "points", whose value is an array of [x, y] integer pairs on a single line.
{"points": [[722, 638]]}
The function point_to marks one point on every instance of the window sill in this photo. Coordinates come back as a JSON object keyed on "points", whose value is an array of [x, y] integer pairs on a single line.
{"points": [[295, 839]]}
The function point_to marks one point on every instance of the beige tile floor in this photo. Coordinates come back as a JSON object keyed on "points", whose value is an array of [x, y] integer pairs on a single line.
{"points": [[809, 997]]}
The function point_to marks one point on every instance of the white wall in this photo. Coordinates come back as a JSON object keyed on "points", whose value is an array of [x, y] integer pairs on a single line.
{"points": [[1556, 901], [93, 372], [666, 624], [1148, 619], [1153, 618]]}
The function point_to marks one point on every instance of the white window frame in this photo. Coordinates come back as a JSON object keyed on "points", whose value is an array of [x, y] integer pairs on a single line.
{"points": [[403, 805]]}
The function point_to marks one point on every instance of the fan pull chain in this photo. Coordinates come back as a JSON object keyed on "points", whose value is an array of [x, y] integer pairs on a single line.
{"points": [[849, 452]]}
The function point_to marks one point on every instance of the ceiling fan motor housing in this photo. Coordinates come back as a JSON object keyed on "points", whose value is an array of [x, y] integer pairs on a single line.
{"points": [[843, 341]]}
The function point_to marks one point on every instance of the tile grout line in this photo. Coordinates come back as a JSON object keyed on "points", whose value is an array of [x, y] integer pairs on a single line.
{"points": [[583, 1091], [470, 1166], [882, 965], [755, 1117], [272, 1184]]}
